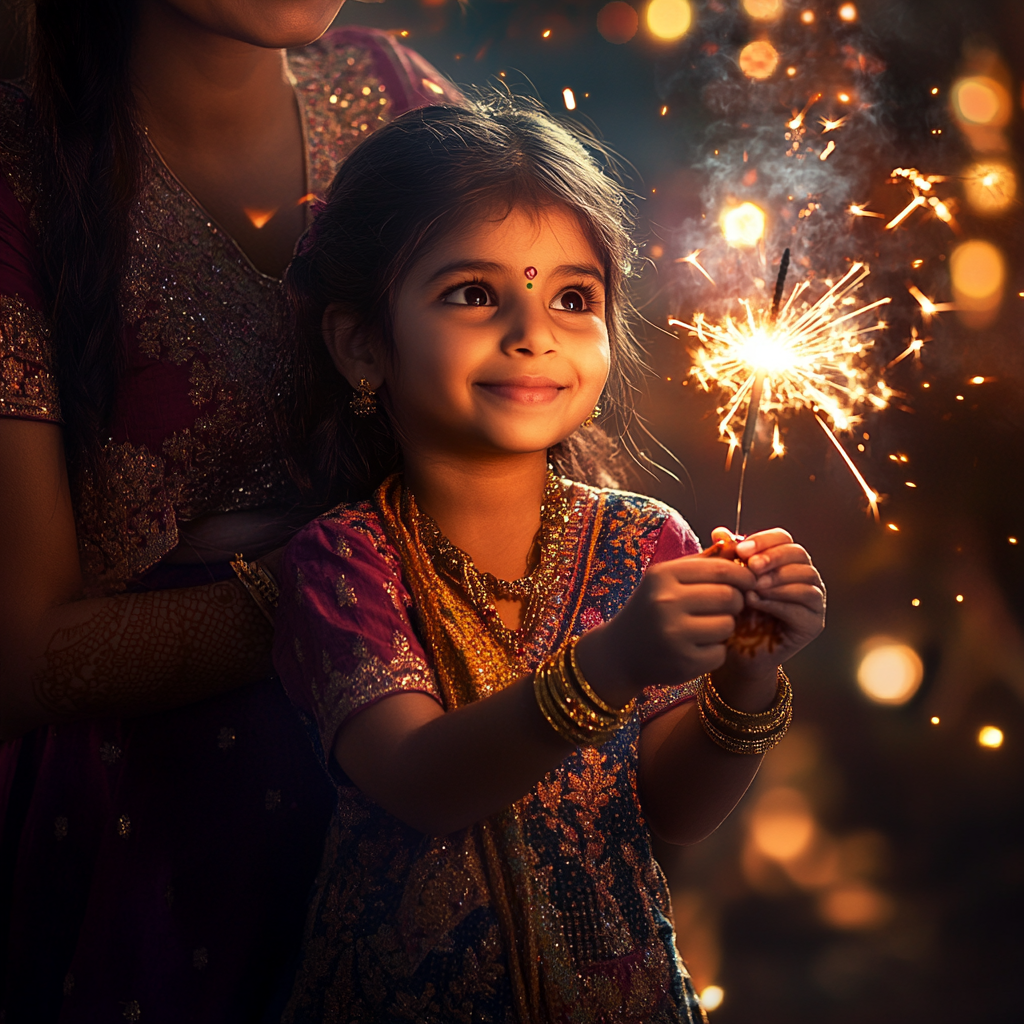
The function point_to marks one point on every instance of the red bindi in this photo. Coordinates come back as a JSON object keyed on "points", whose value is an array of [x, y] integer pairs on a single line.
{"points": [[531, 272]]}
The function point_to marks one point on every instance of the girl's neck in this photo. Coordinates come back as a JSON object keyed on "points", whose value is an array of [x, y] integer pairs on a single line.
{"points": [[488, 508]]}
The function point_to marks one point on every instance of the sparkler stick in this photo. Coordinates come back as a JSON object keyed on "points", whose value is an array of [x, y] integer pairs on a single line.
{"points": [[754, 407]]}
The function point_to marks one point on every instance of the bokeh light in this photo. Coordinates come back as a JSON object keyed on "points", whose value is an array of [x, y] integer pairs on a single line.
{"points": [[618, 22], [763, 10], [669, 19], [855, 905], [759, 59], [782, 825], [743, 225], [889, 672], [981, 101], [978, 273], [807, 16], [990, 736], [848, 12], [711, 997], [990, 187], [569, 98]]}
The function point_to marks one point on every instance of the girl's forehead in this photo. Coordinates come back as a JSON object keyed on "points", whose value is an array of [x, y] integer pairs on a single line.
{"points": [[549, 235]]}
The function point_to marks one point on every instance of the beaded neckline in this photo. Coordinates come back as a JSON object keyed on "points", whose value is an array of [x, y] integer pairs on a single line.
{"points": [[484, 588]]}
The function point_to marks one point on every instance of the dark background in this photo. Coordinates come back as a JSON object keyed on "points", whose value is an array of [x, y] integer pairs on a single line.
{"points": [[907, 903]]}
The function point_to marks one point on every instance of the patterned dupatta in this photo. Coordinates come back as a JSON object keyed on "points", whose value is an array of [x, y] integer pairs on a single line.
{"points": [[471, 662]]}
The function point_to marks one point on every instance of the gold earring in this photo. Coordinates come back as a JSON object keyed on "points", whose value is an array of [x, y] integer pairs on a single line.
{"points": [[364, 399], [589, 421]]}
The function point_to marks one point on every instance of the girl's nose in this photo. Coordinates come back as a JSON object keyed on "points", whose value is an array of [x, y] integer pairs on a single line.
{"points": [[529, 330]]}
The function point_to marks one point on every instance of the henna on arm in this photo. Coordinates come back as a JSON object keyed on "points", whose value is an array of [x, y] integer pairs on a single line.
{"points": [[141, 653]]}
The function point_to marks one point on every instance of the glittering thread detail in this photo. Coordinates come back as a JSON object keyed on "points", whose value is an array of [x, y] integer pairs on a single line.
{"points": [[27, 386], [373, 678]]}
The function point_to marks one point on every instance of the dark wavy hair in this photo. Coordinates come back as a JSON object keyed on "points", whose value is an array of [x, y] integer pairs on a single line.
{"points": [[405, 188], [90, 169]]}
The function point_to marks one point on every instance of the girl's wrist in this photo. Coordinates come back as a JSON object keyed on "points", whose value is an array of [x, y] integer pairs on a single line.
{"points": [[748, 691], [597, 658]]}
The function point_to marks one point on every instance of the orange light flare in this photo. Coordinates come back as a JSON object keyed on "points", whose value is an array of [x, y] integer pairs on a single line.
{"points": [[798, 119], [812, 355], [258, 218], [913, 349], [861, 210], [827, 151], [831, 125], [922, 189], [915, 204], [869, 492], [928, 307], [695, 263]]}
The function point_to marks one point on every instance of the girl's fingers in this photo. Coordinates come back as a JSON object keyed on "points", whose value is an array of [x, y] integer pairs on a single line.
{"points": [[793, 573], [711, 599], [782, 554], [790, 596], [758, 542], [693, 570], [702, 630]]}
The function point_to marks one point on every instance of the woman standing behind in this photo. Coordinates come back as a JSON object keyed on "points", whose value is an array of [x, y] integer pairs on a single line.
{"points": [[163, 812]]}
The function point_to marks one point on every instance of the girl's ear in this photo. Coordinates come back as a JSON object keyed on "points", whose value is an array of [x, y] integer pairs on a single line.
{"points": [[351, 351]]}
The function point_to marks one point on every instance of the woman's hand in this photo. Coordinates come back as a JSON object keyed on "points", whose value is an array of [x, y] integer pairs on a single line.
{"points": [[673, 628]]}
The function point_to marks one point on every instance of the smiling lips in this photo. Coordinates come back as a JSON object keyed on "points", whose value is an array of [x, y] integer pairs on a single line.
{"points": [[527, 390]]}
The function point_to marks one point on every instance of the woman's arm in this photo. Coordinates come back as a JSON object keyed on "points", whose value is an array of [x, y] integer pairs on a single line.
{"points": [[63, 658]]}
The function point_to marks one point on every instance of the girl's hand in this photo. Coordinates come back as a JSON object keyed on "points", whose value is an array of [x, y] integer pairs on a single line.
{"points": [[788, 587], [673, 628]]}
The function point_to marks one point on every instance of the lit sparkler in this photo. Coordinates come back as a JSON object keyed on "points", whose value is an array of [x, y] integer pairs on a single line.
{"points": [[790, 356]]}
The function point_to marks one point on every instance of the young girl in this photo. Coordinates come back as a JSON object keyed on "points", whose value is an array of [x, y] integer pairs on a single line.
{"points": [[508, 667]]}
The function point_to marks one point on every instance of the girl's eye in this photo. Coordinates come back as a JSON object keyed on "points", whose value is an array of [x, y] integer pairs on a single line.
{"points": [[469, 295], [572, 300]]}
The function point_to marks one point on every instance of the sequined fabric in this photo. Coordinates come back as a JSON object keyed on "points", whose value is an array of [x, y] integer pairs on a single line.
{"points": [[208, 337], [405, 927]]}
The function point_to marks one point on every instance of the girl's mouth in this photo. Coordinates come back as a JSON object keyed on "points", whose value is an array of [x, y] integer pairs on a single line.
{"points": [[526, 389]]}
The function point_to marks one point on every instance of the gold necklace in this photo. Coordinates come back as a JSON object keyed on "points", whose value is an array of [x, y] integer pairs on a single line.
{"points": [[484, 588]]}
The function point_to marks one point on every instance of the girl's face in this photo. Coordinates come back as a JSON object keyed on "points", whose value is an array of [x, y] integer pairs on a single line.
{"points": [[275, 24], [500, 338]]}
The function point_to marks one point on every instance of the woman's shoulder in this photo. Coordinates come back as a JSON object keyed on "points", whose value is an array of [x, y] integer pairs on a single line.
{"points": [[648, 521], [354, 52], [351, 80]]}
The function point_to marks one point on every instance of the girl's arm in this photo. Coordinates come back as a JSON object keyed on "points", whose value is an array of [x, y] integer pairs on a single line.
{"points": [[63, 658], [440, 772], [688, 784]]}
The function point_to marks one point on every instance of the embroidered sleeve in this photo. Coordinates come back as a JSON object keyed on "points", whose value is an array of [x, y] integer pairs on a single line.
{"points": [[675, 540], [28, 389], [343, 636]]}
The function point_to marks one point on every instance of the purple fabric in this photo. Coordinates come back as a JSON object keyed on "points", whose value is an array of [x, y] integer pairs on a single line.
{"points": [[158, 869]]}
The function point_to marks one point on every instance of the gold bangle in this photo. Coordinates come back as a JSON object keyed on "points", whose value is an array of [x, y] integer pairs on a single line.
{"points": [[259, 584], [744, 732], [568, 709], [588, 691]]}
